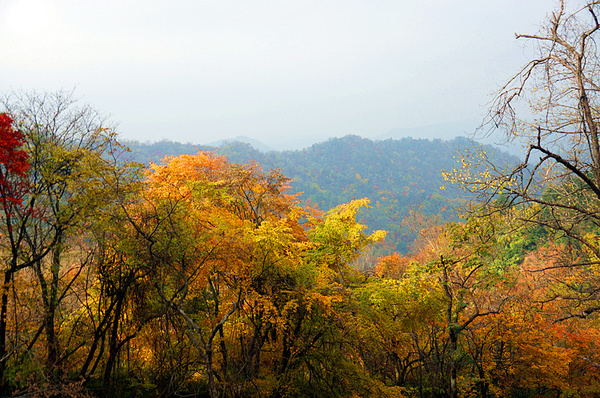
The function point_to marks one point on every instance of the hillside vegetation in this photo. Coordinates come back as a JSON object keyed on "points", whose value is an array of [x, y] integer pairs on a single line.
{"points": [[395, 175], [204, 275]]}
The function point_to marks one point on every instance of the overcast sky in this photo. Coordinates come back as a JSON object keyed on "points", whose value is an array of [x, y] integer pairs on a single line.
{"points": [[288, 73]]}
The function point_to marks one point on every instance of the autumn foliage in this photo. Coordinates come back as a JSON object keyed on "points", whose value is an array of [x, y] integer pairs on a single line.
{"points": [[13, 161], [196, 276]]}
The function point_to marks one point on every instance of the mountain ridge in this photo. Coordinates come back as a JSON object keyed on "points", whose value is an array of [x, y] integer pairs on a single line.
{"points": [[395, 174]]}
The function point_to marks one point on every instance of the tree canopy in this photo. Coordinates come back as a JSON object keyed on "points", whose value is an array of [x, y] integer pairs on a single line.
{"points": [[199, 275]]}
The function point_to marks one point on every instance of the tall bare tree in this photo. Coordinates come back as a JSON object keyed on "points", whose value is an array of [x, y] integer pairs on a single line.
{"points": [[552, 106]]}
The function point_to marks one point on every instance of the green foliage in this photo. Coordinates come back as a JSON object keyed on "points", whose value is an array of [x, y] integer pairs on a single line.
{"points": [[395, 175]]}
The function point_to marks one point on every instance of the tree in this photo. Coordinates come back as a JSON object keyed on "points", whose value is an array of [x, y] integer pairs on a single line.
{"points": [[13, 168], [249, 278], [67, 148], [400, 326], [552, 105], [214, 240], [474, 280]]}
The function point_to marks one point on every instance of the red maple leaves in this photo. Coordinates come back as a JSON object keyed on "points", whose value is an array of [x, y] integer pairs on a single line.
{"points": [[13, 162]]}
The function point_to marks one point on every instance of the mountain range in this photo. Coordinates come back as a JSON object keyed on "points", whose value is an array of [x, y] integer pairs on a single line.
{"points": [[395, 174]]}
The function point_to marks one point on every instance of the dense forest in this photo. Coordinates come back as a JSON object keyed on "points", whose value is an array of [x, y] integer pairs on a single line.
{"points": [[395, 175], [206, 275]]}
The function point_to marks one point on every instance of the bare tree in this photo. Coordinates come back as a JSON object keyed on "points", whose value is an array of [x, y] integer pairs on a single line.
{"points": [[552, 105]]}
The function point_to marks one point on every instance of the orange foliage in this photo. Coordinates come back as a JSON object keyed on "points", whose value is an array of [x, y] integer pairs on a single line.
{"points": [[392, 266]]}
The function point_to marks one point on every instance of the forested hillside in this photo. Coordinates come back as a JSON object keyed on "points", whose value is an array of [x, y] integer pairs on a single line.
{"points": [[395, 175], [199, 276]]}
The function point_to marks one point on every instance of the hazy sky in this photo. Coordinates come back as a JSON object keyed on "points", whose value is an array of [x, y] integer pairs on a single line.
{"points": [[280, 71]]}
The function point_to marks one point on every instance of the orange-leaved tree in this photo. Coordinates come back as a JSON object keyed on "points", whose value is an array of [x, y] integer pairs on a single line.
{"points": [[215, 239]]}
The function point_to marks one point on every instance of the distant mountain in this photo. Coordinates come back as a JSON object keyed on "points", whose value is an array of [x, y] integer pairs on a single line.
{"points": [[153, 152], [448, 131], [395, 175], [247, 140]]}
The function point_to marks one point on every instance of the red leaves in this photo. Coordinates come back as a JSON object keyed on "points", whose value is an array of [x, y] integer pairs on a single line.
{"points": [[13, 162], [13, 159]]}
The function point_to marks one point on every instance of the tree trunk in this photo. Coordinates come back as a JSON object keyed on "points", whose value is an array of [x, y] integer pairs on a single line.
{"points": [[99, 334], [113, 345], [210, 373], [452, 329], [483, 385], [453, 351], [49, 294], [3, 323], [589, 120], [53, 342]]}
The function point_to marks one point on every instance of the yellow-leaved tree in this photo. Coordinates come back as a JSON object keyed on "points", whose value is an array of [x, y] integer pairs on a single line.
{"points": [[239, 280]]}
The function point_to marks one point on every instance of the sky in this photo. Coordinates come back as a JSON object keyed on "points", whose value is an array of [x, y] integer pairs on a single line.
{"points": [[286, 73]]}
